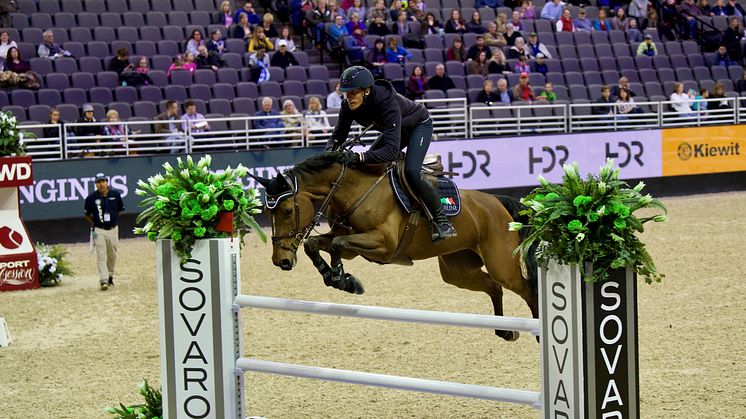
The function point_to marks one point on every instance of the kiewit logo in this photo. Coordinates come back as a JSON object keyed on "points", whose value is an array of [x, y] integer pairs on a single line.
{"points": [[9, 238], [685, 151]]}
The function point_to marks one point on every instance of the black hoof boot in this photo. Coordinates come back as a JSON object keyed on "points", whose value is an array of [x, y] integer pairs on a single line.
{"points": [[509, 335], [346, 282]]}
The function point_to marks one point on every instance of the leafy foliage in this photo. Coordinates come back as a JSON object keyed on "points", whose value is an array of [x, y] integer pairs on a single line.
{"points": [[52, 264], [590, 220], [11, 138], [152, 409], [183, 204]]}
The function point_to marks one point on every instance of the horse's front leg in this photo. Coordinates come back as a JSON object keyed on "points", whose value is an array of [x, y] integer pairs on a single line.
{"points": [[312, 246], [370, 245]]}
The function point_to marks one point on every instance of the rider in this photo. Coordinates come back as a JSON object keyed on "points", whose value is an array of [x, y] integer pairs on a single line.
{"points": [[402, 123]]}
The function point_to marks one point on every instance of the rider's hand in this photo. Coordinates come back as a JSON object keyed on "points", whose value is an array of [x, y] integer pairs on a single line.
{"points": [[348, 157]]}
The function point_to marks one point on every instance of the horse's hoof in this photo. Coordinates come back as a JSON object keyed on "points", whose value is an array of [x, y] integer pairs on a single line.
{"points": [[354, 286], [508, 335]]}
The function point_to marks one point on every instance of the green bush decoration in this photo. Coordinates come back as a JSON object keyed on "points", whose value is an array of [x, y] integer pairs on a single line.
{"points": [[152, 409], [52, 263], [590, 220], [11, 138], [183, 204]]}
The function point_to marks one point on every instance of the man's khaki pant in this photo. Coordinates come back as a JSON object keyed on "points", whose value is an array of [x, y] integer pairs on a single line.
{"points": [[106, 242]]}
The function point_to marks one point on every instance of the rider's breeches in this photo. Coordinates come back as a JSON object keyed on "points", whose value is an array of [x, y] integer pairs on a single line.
{"points": [[419, 142]]}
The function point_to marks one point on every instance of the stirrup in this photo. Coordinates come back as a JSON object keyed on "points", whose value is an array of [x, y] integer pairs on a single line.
{"points": [[443, 231]]}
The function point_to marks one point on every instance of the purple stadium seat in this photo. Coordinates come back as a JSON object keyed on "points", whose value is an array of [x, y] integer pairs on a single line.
{"points": [[161, 5], [22, 97], [556, 78], [620, 50], [39, 113], [104, 34], [589, 64], [173, 33], [156, 18], [57, 81], [610, 77], [66, 65], [247, 90], [592, 78], [75, 96], [220, 106], [277, 74], [140, 6], [200, 91], [574, 77], [244, 105], [317, 87], [151, 94], [77, 49], [178, 18], [124, 109], [72, 6], [42, 66], [159, 78], [32, 35], [116, 45], [204, 76], [150, 33], [127, 94], [110, 20], [296, 73], [81, 80], [133, 19], [182, 78], [293, 88], [695, 60], [116, 6], [199, 18], [90, 65], [18, 111], [237, 46], [88, 20], [68, 112], [161, 62], [146, 48], [98, 49], [318, 72], [270, 88], [607, 63], [719, 73], [223, 91], [233, 60], [108, 79], [27, 6], [145, 109], [101, 95], [175, 93], [41, 20], [49, 6], [168, 47]]}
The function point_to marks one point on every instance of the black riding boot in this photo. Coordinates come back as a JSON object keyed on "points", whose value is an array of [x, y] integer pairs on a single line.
{"points": [[443, 227]]}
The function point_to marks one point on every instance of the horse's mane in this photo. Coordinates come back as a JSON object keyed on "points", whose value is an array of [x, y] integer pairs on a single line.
{"points": [[316, 163]]}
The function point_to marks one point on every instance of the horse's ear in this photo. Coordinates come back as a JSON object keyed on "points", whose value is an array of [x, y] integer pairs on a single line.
{"points": [[262, 181], [284, 182]]}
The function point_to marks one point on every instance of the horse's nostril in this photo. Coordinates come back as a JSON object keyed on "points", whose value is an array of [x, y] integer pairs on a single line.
{"points": [[286, 264]]}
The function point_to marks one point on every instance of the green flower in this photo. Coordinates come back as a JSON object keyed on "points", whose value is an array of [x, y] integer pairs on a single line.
{"points": [[160, 205], [552, 195], [200, 187], [186, 214], [243, 201], [575, 226], [200, 231], [593, 217], [228, 204], [152, 235], [539, 197], [164, 189], [176, 235], [620, 224], [582, 200], [623, 211]]}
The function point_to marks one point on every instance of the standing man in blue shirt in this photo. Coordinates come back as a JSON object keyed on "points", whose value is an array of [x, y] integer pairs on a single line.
{"points": [[552, 10], [102, 209]]}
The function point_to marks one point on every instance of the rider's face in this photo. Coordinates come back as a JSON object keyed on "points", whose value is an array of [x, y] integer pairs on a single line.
{"points": [[355, 98]]}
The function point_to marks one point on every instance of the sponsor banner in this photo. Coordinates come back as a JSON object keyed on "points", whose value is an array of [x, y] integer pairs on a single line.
{"points": [[19, 272], [515, 162], [15, 171], [690, 151]]}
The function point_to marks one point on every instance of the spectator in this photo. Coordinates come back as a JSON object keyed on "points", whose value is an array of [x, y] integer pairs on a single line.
{"points": [[318, 18], [126, 71], [334, 100], [416, 10], [511, 34], [283, 58], [378, 27], [718, 92], [497, 64], [552, 10], [647, 48], [688, 13], [492, 4], [431, 26], [6, 8], [193, 121], [521, 66], [633, 34], [15, 63], [518, 50], [178, 64], [502, 22], [190, 62], [602, 23], [416, 84], [259, 65], [721, 57], [455, 24], [582, 23], [523, 91], [54, 119], [516, 21], [207, 60], [403, 28], [505, 95], [336, 10], [487, 95], [316, 119], [250, 13], [243, 29], [681, 102], [668, 19], [5, 44], [741, 84], [49, 49], [440, 81], [732, 39], [338, 29], [548, 95], [734, 9], [379, 10], [625, 104], [534, 47], [564, 24], [622, 85], [480, 65], [194, 42], [638, 9], [260, 39], [357, 8], [268, 25], [475, 24], [357, 30], [700, 100], [174, 130], [216, 44], [396, 9], [539, 66], [605, 99], [493, 38], [87, 118], [144, 68], [652, 20], [270, 124], [224, 15], [620, 21], [397, 54], [527, 10], [376, 59], [478, 48], [456, 52], [291, 118], [285, 36], [718, 9], [115, 128]]}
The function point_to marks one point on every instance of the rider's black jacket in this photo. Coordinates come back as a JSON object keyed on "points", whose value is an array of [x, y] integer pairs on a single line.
{"points": [[391, 113]]}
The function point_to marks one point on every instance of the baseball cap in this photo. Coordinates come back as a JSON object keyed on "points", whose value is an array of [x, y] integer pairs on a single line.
{"points": [[87, 107], [282, 43], [540, 55], [101, 176], [524, 75], [648, 36], [532, 34]]}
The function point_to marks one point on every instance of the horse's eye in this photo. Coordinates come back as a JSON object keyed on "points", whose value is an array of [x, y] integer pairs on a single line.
{"points": [[288, 212]]}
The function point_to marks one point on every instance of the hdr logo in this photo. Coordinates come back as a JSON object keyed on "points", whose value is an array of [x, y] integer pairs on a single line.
{"points": [[547, 159]]}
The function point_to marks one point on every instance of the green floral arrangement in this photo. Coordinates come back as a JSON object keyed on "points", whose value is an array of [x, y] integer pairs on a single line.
{"points": [[152, 409], [191, 202], [52, 264], [591, 220], [11, 138]]}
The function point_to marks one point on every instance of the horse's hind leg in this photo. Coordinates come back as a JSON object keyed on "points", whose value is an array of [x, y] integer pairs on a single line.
{"points": [[464, 270]]}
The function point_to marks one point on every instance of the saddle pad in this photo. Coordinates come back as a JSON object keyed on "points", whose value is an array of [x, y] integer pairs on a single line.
{"points": [[447, 189]]}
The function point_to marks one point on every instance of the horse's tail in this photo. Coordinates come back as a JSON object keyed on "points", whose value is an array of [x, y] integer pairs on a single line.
{"points": [[514, 207]]}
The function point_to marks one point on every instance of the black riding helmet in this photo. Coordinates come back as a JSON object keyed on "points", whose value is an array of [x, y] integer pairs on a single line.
{"points": [[355, 77]]}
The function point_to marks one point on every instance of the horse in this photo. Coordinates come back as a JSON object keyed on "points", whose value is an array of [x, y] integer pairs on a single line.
{"points": [[367, 221]]}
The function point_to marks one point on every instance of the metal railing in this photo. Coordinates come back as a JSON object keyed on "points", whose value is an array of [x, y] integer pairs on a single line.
{"points": [[452, 118]]}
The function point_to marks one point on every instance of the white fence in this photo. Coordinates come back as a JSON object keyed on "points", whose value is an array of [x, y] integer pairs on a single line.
{"points": [[452, 118]]}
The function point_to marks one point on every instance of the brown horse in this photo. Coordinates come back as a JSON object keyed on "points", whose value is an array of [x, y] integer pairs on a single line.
{"points": [[366, 220]]}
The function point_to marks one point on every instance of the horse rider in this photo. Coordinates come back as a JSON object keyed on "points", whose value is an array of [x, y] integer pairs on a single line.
{"points": [[402, 123]]}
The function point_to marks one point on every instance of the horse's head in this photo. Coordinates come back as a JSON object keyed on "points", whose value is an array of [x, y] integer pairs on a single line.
{"points": [[290, 212]]}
